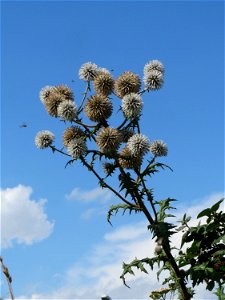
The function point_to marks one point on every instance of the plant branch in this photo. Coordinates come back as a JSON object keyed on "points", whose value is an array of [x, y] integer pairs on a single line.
{"points": [[8, 277]]}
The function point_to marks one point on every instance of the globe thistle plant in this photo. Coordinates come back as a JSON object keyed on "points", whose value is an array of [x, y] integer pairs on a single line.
{"points": [[88, 71], [127, 83], [71, 133], [104, 84], [67, 110], [153, 80], [77, 147], [153, 65], [158, 148], [108, 139], [64, 91], [132, 105], [44, 139], [138, 145], [98, 108]]}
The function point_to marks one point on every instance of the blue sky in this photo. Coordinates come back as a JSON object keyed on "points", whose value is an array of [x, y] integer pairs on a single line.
{"points": [[48, 239]]}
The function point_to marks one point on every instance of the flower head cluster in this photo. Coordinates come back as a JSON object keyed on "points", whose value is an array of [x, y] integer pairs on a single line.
{"points": [[153, 75], [67, 110], [44, 139], [88, 71], [98, 108], [108, 139], [158, 148], [71, 133], [128, 161], [104, 83], [127, 83], [77, 147], [132, 105], [45, 92], [138, 145]]}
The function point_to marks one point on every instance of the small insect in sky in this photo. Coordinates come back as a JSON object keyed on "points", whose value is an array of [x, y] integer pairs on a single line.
{"points": [[23, 125]]}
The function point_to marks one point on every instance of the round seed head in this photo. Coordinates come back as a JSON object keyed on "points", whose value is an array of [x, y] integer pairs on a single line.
{"points": [[44, 139], [128, 161], [71, 133], [153, 80], [153, 65], [98, 108], [108, 168], [138, 145], [77, 147], [104, 84], [65, 92], [103, 71], [88, 71], [45, 92], [108, 140], [127, 83], [67, 110], [52, 103], [132, 105], [158, 148]]}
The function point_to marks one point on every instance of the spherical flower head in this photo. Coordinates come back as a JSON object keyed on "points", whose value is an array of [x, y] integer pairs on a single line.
{"points": [[132, 105], [88, 71], [158, 148], [108, 140], [52, 103], [98, 108], [44, 139], [128, 161], [45, 92], [127, 83], [104, 84], [103, 71], [67, 110], [64, 91], [138, 145], [108, 168], [77, 147], [153, 65], [153, 80], [71, 133]]}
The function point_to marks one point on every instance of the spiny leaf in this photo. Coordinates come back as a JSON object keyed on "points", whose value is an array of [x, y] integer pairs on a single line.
{"points": [[70, 162], [115, 208]]}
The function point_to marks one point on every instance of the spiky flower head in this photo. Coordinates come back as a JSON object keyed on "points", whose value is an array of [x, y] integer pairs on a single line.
{"points": [[126, 134], [103, 71], [71, 133], [104, 84], [45, 92], [153, 80], [77, 147], [44, 139], [67, 110], [98, 108], [158, 148], [153, 65], [127, 83], [64, 91], [108, 168], [108, 140], [138, 145], [132, 105], [52, 103], [128, 161], [88, 71]]}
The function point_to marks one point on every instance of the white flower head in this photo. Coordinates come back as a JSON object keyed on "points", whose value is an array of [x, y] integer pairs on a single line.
{"points": [[103, 71], [77, 147], [67, 110], [44, 92], [158, 148], [44, 139], [153, 80], [153, 65], [88, 71], [138, 144], [132, 105]]}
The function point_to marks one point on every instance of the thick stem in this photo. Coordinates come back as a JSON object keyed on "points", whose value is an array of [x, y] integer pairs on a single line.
{"points": [[8, 277]]}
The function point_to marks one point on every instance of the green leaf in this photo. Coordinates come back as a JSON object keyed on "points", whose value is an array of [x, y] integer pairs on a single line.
{"points": [[205, 212], [215, 207], [115, 208]]}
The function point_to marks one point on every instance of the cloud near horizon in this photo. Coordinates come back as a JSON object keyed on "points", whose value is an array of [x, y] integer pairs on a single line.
{"points": [[23, 219], [98, 272]]}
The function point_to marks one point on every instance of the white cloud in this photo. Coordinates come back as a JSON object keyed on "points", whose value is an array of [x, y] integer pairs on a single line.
{"points": [[23, 219], [96, 194], [99, 271]]}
